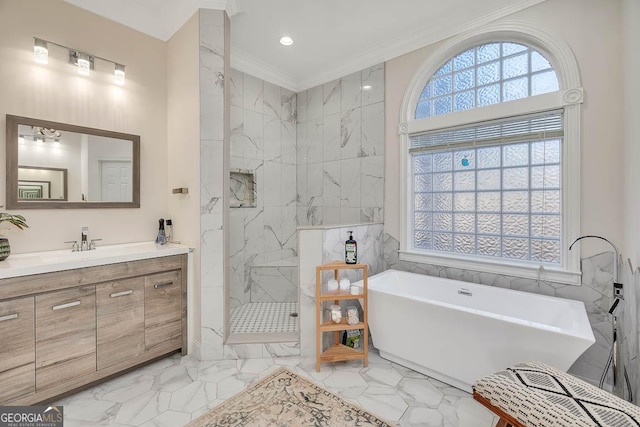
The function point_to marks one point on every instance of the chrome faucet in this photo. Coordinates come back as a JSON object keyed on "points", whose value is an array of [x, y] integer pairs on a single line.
{"points": [[84, 243]]}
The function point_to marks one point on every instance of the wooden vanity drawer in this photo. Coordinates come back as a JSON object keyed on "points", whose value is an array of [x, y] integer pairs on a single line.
{"points": [[65, 335], [163, 309], [16, 333], [120, 309]]}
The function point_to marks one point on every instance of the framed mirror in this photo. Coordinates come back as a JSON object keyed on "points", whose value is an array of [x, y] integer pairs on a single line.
{"points": [[58, 165]]}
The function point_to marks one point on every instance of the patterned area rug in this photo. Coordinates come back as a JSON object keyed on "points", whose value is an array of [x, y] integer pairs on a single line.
{"points": [[285, 399]]}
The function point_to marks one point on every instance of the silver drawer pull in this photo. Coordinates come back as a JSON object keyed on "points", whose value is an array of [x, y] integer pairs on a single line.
{"points": [[121, 294], [163, 284], [9, 317], [67, 305]]}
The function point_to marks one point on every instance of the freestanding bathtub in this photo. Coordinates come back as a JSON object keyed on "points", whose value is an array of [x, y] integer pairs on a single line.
{"points": [[457, 332]]}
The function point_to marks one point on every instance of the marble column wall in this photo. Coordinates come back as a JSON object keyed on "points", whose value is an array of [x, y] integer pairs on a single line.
{"points": [[263, 141], [628, 324], [595, 292], [340, 151], [214, 55]]}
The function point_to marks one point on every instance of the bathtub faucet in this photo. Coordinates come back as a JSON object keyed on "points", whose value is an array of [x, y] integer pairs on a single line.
{"points": [[615, 251], [617, 287]]}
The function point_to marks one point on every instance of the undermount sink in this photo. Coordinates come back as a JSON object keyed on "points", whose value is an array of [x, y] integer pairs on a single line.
{"points": [[76, 256], [102, 252]]}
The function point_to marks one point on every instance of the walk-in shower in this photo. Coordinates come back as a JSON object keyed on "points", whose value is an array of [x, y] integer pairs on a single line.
{"points": [[269, 301]]}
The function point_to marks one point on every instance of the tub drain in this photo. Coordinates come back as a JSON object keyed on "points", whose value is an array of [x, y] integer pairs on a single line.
{"points": [[293, 314]]}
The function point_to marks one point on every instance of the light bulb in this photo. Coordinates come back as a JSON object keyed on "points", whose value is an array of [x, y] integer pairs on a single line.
{"points": [[118, 74], [40, 51], [286, 41], [84, 66]]}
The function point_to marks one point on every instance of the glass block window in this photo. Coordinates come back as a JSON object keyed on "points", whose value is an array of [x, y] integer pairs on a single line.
{"points": [[491, 189], [484, 75]]}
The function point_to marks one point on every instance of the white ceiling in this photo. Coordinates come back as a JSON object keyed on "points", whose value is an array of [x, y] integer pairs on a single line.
{"points": [[332, 38]]}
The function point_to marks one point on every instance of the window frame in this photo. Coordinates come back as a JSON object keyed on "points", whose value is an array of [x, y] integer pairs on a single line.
{"points": [[569, 98]]}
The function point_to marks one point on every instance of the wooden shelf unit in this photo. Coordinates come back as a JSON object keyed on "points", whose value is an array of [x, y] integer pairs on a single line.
{"points": [[338, 351]]}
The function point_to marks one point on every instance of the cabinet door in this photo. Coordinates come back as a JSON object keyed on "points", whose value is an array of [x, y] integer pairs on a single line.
{"points": [[65, 335], [120, 317], [163, 310], [17, 352]]}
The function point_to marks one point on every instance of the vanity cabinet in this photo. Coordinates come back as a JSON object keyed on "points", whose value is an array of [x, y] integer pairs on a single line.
{"points": [[120, 318], [63, 330], [163, 308], [17, 351], [65, 335]]}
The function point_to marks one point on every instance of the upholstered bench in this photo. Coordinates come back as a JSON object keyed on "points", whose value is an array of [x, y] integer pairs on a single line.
{"points": [[536, 395]]}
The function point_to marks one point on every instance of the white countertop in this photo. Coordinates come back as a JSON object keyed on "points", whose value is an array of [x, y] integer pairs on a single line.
{"points": [[46, 262]]}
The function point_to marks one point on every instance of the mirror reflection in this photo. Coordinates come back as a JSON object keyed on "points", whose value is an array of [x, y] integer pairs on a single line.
{"points": [[42, 183], [60, 165], [98, 168]]}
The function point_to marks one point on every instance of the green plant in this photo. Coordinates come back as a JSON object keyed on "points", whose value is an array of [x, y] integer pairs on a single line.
{"points": [[17, 220]]}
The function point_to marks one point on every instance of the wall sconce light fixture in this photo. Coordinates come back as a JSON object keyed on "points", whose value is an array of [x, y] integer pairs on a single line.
{"points": [[40, 51], [84, 62]]}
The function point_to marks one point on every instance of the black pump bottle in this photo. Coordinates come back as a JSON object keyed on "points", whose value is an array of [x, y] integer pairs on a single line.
{"points": [[350, 250]]}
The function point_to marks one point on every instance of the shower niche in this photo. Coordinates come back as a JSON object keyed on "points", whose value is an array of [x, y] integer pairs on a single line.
{"points": [[243, 189]]}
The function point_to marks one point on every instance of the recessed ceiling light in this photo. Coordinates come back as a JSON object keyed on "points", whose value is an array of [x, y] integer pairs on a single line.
{"points": [[286, 41], [366, 87]]}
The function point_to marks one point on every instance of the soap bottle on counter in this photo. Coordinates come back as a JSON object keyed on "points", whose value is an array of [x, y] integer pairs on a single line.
{"points": [[350, 250], [161, 238], [169, 232]]}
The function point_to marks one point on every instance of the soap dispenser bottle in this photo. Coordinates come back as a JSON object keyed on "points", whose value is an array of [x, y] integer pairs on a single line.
{"points": [[169, 232], [350, 250], [161, 238]]}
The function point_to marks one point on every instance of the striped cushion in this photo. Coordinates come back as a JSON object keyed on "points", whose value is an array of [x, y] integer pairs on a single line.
{"points": [[538, 395]]}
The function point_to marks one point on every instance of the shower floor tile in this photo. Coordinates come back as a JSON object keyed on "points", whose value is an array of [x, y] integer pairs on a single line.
{"points": [[264, 317]]}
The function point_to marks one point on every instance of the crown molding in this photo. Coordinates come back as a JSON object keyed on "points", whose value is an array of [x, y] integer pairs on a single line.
{"points": [[180, 11], [234, 7], [248, 64], [409, 42]]}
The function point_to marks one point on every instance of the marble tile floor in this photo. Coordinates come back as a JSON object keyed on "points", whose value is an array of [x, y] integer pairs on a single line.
{"points": [[175, 390]]}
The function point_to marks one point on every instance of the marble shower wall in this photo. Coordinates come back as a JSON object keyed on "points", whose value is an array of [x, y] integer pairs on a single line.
{"points": [[595, 292], [263, 142], [628, 322], [340, 156]]}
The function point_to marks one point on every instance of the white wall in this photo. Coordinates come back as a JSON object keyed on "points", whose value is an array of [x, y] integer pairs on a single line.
{"points": [[598, 54], [56, 92], [631, 128]]}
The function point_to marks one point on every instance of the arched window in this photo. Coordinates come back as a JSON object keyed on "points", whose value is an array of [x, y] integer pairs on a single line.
{"points": [[485, 142], [486, 74]]}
